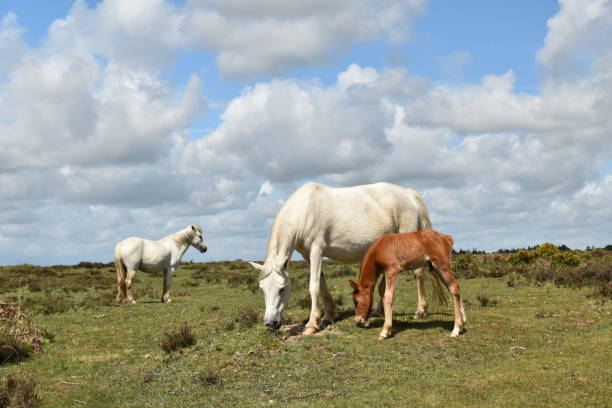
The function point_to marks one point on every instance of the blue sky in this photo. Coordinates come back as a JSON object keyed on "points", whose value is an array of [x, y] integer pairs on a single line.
{"points": [[123, 119]]}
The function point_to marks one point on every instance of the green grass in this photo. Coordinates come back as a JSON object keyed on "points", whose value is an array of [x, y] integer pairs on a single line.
{"points": [[533, 344]]}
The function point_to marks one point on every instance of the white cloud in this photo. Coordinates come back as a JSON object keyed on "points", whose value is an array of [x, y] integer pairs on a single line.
{"points": [[452, 65], [95, 146], [251, 38], [276, 129], [579, 33]]}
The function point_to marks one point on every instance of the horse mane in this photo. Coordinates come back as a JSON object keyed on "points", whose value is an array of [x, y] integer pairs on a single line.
{"points": [[274, 244], [184, 236]]}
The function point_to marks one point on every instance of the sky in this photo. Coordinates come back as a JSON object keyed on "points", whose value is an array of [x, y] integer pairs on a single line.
{"points": [[137, 118]]}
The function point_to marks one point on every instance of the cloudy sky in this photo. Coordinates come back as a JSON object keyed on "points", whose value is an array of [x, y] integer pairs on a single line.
{"points": [[122, 118]]}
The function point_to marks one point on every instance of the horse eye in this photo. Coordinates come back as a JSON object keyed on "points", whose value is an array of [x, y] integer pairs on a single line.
{"points": [[281, 291]]}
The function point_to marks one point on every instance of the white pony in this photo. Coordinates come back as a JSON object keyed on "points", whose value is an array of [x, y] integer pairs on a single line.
{"points": [[135, 254], [339, 223]]}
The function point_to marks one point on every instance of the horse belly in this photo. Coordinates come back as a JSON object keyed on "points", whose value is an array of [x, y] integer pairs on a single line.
{"points": [[349, 241], [154, 258], [352, 254]]}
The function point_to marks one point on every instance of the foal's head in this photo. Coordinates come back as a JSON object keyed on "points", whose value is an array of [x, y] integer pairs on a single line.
{"points": [[362, 297]]}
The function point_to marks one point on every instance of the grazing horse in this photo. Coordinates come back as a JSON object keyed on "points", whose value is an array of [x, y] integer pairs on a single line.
{"points": [[164, 255], [392, 253], [339, 223]]}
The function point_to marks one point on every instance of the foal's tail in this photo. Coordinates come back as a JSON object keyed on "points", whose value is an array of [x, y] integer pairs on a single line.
{"points": [[438, 294]]}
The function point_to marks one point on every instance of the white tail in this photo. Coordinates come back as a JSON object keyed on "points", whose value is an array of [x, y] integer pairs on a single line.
{"points": [[438, 294], [121, 275]]}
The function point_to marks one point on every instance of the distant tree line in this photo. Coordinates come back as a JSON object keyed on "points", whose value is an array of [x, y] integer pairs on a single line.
{"points": [[561, 248]]}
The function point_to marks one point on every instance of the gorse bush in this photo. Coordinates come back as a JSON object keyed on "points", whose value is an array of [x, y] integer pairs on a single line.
{"points": [[565, 259], [546, 250], [522, 256]]}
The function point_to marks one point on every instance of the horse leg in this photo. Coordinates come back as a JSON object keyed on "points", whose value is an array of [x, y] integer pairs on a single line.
{"points": [[328, 302], [422, 305], [128, 285], [167, 283], [443, 268], [380, 310], [314, 321], [391, 274]]}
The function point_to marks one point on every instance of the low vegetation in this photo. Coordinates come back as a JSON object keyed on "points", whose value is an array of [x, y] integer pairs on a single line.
{"points": [[18, 393], [184, 337], [19, 338], [539, 327]]}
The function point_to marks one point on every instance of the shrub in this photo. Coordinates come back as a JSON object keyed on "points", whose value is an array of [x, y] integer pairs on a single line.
{"points": [[569, 258], [18, 393], [341, 272], [546, 250], [247, 318], [18, 337], [13, 347], [485, 301], [183, 338], [238, 279], [206, 377], [521, 256], [466, 265]]}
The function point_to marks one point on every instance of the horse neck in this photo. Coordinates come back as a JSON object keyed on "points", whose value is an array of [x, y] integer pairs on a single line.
{"points": [[368, 273], [181, 240], [281, 244]]}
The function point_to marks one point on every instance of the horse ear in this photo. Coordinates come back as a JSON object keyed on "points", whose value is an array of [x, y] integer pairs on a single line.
{"points": [[256, 265], [355, 285], [192, 227]]}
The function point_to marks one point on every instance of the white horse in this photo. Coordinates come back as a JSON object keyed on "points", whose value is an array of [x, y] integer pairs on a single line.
{"points": [[339, 223], [164, 255]]}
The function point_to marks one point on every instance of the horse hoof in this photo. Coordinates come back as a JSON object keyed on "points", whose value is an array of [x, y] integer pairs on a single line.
{"points": [[456, 333], [381, 337], [421, 314], [309, 331]]}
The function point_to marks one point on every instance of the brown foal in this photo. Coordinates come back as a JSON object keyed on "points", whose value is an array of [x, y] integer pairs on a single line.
{"points": [[393, 253]]}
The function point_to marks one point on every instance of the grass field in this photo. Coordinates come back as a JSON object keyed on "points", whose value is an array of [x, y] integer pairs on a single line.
{"points": [[531, 340]]}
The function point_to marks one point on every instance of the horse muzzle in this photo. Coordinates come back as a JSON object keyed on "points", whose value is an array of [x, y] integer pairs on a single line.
{"points": [[360, 321], [203, 249]]}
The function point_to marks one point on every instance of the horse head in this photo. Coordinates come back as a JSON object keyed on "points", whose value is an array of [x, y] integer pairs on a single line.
{"points": [[197, 241], [274, 283], [363, 303]]}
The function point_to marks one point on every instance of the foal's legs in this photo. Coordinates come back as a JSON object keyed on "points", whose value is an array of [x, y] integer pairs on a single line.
{"points": [[128, 285], [422, 305], [380, 310], [167, 283], [391, 274], [443, 268]]}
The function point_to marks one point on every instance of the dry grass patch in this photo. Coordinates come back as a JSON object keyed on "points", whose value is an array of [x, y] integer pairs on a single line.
{"points": [[18, 393], [185, 337], [18, 337]]}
